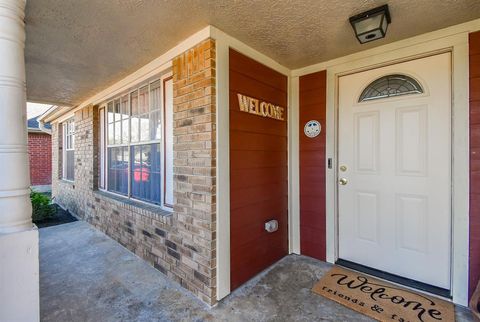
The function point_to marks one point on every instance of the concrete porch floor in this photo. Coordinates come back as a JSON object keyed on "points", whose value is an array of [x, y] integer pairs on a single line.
{"points": [[86, 276]]}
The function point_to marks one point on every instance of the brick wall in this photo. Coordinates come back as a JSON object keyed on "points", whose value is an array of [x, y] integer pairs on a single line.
{"points": [[40, 156], [181, 244]]}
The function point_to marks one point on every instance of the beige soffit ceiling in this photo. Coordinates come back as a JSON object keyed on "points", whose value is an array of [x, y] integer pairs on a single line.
{"points": [[75, 49]]}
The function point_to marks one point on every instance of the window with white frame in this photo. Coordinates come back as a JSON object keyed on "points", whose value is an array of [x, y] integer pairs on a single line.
{"points": [[138, 155], [69, 149]]}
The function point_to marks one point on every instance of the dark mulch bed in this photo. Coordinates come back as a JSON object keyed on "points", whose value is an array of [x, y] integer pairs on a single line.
{"points": [[61, 217]]}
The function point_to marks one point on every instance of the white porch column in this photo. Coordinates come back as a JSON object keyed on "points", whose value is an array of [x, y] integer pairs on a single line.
{"points": [[15, 207], [19, 291]]}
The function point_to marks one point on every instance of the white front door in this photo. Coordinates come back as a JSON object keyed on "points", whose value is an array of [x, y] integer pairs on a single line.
{"points": [[394, 199]]}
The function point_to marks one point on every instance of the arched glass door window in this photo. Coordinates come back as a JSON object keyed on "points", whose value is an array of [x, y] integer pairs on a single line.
{"points": [[390, 86]]}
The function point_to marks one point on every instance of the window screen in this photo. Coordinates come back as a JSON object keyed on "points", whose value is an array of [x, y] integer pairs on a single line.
{"points": [[136, 145], [69, 150], [146, 172]]}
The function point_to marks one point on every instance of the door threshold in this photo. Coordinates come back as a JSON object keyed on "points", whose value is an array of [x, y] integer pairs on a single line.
{"points": [[396, 279]]}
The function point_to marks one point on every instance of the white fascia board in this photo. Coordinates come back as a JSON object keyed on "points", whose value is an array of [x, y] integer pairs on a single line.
{"points": [[36, 130], [57, 115], [52, 113]]}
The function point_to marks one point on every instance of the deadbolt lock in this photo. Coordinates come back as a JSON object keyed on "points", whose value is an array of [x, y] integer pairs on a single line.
{"points": [[343, 181], [343, 168]]}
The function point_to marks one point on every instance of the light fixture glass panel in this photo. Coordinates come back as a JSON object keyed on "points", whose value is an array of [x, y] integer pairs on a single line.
{"points": [[371, 25], [368, 24], [369, 36], [384, 25]]}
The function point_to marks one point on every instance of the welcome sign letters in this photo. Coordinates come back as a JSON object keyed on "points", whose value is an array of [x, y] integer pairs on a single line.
{"points": [[254, 106]]}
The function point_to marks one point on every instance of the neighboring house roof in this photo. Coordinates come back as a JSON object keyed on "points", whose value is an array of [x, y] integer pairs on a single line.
{"points": [[34, 126]]}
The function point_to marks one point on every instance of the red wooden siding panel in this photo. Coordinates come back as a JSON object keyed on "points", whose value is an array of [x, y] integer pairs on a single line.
{"points": [[247, 141], [260, 74], [244, 122], [257, 159], [244, 178], [256, 194], [247, 85], [474, 267], [312, 166], [258, 171]]}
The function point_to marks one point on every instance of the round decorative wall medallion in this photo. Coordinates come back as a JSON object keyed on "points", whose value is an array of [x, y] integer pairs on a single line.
{"points": [[312, 128]]}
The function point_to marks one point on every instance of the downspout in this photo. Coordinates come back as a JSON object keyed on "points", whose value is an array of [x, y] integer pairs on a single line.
{"points": [[41, 124]]}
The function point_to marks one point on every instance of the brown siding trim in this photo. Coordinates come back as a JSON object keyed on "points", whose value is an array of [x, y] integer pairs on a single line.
{"points": [[312, 96], [474, 239], [258, 171]]}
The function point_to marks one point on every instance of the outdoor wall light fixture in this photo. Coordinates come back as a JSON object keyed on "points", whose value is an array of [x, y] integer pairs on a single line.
{"points": [[372, 24]]}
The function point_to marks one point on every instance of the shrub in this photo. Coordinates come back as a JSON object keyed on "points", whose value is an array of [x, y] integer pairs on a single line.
{"points": [[42, 207]]}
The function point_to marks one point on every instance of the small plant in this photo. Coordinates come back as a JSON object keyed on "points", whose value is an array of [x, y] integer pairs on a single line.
{"points": [[42, 207]]}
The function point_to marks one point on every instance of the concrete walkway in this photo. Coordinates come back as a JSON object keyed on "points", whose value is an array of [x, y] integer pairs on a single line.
{"points": [[86, 276]]}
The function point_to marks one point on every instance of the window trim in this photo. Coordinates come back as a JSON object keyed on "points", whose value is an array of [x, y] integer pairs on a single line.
{"points": [[105, 145], [164, 145], [67, 132], [102, 143]]}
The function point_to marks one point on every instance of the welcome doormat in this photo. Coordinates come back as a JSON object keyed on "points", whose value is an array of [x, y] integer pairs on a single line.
{"points": [[381, 300]]}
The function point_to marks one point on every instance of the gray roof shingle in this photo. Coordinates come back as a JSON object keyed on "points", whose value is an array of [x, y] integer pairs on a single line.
{"points": [[33, 123]]}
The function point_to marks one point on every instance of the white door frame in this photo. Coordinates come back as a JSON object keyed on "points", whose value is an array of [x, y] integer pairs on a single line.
{"points": [[458, 46]]}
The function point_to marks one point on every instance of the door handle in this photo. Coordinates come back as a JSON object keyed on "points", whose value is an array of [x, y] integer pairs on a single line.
{"points": [[343, 181]]}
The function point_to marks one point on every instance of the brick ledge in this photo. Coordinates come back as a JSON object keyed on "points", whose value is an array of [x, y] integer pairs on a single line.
{"points": [[151, 211]]}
